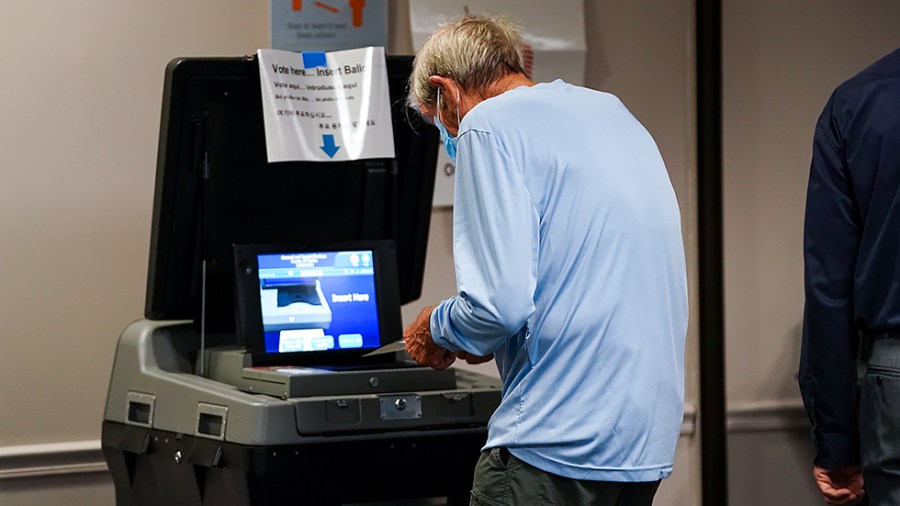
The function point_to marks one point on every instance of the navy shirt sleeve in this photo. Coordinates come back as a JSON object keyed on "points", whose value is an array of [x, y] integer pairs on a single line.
{"points": [[830, 339]]}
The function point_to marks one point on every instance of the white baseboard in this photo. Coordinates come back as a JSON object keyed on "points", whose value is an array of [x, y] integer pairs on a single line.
{"points": [[767, 415], [51, 459]]}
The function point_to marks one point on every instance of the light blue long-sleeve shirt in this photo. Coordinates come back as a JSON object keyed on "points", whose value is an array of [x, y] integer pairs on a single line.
{"points": [[570, 269]]}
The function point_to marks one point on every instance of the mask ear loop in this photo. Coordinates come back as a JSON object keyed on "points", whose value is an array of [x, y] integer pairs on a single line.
{"points": [[458, 119], [439, 105]]}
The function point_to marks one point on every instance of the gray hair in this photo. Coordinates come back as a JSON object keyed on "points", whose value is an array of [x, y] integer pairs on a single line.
{"points": [[473, 50]]}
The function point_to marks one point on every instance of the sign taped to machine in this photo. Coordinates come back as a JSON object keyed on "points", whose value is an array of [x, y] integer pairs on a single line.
{"points": [[326, 106]]}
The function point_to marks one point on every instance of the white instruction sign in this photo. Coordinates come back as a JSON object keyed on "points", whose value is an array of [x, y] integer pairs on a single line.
{"points": [[326, 106]]}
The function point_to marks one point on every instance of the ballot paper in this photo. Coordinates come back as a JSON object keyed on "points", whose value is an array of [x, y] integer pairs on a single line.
{"points": [[388, 348]]}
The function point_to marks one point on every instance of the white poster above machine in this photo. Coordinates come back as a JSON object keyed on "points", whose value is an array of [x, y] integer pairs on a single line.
{"points": [[326, 106], [556, 47]]}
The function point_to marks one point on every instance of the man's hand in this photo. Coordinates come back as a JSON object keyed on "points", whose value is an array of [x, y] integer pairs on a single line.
{"points": [[420, 345], [842, 486]]}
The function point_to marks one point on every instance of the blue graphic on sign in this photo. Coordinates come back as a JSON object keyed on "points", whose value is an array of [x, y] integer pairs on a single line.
{"points": [[328, 146], [313, 59]]}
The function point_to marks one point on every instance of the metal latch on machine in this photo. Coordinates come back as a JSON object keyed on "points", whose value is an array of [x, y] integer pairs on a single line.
{"points": [[401, 407]]}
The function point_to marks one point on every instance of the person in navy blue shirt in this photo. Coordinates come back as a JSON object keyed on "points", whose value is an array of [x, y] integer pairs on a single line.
{"points": [[850, 358]]}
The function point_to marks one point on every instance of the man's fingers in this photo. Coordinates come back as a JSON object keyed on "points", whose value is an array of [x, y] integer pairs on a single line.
{"points": [[838, 496], [832, 493], [477, 359], [443, 360], [473, 359], [840, 487], [847, 501]]}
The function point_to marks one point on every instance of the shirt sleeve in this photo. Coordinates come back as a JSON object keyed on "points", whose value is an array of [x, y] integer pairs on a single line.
{"points": [[495, 239], [828, 378]]}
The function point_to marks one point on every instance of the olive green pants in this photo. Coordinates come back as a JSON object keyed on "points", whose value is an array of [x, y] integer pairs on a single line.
{"points": [[503, 480]]}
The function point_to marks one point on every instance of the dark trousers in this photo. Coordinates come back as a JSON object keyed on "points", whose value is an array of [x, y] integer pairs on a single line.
{"points": [[879, 423], [503, 480]]}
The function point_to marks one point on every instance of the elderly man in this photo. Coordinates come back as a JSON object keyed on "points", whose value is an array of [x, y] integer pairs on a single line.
{"points": [[570, 270]]}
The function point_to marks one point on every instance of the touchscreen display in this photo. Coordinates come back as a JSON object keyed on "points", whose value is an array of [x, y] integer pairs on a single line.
{"points": [[318, 301]]}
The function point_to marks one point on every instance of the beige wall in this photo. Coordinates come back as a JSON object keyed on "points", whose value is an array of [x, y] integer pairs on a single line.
{"points": [[81, 100], [80, 103], [781, 62]]}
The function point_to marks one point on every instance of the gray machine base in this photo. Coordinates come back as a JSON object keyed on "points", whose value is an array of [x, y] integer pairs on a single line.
{"points": [[166, 427]]}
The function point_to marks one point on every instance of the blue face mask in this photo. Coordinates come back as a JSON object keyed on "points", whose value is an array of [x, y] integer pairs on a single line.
{"points": [[448, 140]]}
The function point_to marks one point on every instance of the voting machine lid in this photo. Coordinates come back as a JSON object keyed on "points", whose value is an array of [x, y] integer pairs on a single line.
{"points": [[215, 188]]}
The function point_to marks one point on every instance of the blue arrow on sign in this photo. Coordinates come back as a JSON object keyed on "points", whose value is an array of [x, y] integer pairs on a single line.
{"points": [[329, 148]]}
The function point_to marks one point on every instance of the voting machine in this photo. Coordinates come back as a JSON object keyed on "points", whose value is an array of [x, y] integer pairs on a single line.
{"points": [[268, 283]]}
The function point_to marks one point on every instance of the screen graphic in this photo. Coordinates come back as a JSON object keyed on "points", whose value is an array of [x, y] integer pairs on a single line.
{"points": [[318, 301]]}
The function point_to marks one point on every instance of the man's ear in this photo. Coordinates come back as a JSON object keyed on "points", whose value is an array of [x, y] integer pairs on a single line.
{"points": [[448, 86]]}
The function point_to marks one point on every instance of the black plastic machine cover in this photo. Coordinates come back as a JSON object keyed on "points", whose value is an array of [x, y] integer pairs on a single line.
{"points": [[215, 188]]}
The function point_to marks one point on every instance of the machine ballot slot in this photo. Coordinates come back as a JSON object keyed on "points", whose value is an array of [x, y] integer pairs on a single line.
{"points": [[211, 421], [139, 409], [291, 382], [231, 366]]}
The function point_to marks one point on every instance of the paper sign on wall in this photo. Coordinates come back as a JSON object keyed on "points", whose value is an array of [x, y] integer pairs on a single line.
{"points": [[328, 25], [326, 106]]}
